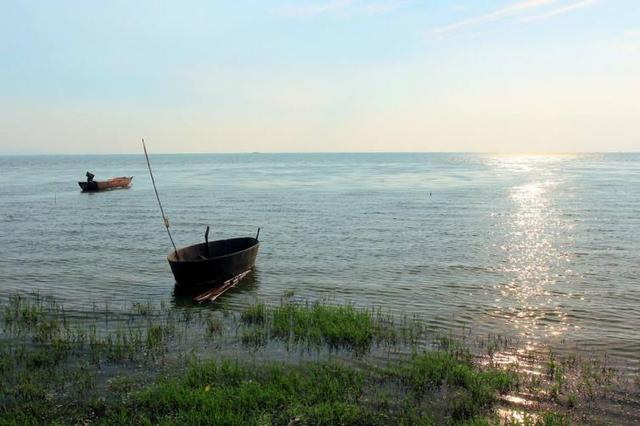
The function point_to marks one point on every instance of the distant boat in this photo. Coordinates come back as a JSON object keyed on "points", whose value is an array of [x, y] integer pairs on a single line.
{"points": [[213, 262], [101, 185]]}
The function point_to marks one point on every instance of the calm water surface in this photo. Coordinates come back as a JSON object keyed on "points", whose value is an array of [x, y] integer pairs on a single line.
{"points": [[542, 248]]}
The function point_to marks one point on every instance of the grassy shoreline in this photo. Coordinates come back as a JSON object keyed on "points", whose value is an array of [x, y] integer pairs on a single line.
{"points": [[292, 363]]}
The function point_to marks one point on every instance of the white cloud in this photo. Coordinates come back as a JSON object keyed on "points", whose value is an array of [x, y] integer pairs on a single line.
{"points": [[504, 12], [312, 9], [528, 8], [348, 7], [559, 11], [380, 7]]}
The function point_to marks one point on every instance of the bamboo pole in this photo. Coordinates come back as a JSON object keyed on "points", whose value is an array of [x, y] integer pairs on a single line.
{"points": [[165, 219]]}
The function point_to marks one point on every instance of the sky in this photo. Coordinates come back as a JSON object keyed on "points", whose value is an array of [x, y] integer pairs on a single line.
{"points": [[94, 77]]}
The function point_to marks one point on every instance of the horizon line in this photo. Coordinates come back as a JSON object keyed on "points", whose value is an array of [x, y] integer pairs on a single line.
{"points": [[44, 154]]}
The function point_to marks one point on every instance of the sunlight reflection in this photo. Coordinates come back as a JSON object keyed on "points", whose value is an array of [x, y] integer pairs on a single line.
{"points": [[509, 416], [534, 259]]}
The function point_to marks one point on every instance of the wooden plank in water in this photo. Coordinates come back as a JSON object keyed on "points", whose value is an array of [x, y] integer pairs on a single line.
{"points": [[214, 293]]}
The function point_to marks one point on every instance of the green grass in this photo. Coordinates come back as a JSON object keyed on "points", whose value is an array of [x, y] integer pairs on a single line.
{"points": [[551, 418], [254, 337], [214, 326], [53, 371], [336, 327], [22, 312], [475, 390], [227, 392], [137, 367], [255, 314], [572, 400], [230, 393], [315, 393]]}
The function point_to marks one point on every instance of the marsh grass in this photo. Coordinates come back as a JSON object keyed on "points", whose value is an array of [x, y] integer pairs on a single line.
{"points": [[322, 325], [214, 325], [128, 367], [50, 362], [336, 326], [313, 393], [576, 388], [255, 314], [233, 393]]}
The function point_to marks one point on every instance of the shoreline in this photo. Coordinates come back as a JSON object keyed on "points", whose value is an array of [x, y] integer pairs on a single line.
{"points": [[109, 358]]}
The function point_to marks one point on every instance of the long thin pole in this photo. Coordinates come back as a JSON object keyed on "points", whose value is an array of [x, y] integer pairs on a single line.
{"points": [[164, 217]]}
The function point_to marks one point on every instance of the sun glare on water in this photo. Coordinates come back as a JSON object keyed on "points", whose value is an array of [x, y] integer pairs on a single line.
{"points": [[535, 241]]}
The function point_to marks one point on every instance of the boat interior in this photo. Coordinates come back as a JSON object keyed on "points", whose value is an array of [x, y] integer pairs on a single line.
{"points": [[219, 248]]}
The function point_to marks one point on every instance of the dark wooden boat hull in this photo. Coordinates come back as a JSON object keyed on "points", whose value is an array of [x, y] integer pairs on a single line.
{"points": [[194, 266], [102, 185]]}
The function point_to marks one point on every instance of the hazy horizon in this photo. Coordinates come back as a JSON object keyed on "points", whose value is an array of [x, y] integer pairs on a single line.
{"points": [[496, 153], [495, 76]]}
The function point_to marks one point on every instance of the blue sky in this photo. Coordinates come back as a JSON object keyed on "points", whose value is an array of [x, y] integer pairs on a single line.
{"points": [[325, 75]]}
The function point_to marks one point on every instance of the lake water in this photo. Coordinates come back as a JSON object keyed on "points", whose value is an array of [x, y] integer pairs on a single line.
{"points": [[542, 248]]}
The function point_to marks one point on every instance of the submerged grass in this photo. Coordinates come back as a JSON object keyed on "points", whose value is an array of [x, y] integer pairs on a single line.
{"points": [[336, 327], [256, 314], [227, 392], [232, 393], [130, 368]]}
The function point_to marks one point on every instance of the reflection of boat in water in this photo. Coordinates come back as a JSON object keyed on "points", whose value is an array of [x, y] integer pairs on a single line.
{"points": [[101, 185], [213, 262]]}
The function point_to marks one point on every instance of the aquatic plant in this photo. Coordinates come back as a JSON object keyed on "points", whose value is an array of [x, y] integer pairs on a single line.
{"points": [[333, 326], [255, 314], [214, 326], [109, 366], [337, 326]]}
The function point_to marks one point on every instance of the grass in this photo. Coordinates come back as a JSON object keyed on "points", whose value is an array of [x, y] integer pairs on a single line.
{"points": [[256, 314], [214, 326], [232, 393], [139, 366], [336, 327], [229, 392]]}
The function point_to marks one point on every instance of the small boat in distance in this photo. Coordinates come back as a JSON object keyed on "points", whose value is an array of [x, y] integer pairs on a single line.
{"points": [[214, 262], [101, 185]]}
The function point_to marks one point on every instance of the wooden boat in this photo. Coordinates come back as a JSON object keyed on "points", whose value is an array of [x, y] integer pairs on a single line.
{"points": [[101, 185], [214, 262], [211, 267]]}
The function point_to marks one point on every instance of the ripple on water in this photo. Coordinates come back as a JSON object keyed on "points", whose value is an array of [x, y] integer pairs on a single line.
{"points": [[543, 248]]}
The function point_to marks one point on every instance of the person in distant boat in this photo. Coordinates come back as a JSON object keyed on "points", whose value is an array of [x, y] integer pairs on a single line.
{"points": [[90, 177]]}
